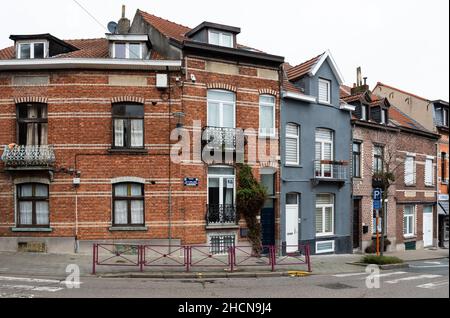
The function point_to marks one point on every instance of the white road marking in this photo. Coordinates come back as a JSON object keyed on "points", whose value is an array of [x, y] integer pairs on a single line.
{"points": [[428, 266], [434, 285], [388, 274], [32, 288], [29, 280], [349, 275], [434, 263], [413, 278]]}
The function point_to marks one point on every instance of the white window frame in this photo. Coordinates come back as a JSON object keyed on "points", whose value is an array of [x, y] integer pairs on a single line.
{"points": [[127, 50], [414, 167], [383, 116], [332, 250], [323, 142], [412, 218], [221, 38], [221, 104], [31, 43], [364, 111], [221, 178], [297, 137], [324, 207], [263, 131], [429, 183], [445, 117], [328, 83]]}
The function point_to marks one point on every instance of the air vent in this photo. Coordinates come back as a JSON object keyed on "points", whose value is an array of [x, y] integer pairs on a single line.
{"points": [[31, 247]]}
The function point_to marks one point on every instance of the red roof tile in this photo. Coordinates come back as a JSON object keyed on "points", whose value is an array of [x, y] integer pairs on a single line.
{"points": [[345, 91], [88, 48], [304, 68], [352, 98], [401, 119], [168, 28]]}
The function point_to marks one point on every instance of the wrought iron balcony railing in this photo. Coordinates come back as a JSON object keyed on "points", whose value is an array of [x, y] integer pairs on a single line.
{"points": [[28, 156], [328, 170], [221, 214], [223, 139]]}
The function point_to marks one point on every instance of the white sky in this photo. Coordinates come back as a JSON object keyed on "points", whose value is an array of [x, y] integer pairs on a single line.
{"points": [[403, 43]]}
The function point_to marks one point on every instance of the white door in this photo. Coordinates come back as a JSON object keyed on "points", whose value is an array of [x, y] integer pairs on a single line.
{"points": [[292, 223], [428, 226]]}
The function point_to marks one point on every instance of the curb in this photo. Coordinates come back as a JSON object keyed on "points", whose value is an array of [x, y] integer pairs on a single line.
{"points": [[382, 267], [205, 275]]}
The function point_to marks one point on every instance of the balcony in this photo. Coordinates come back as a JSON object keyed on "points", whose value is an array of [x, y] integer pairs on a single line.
{"points": [[28, 157], [330, 171], [223, 139], [221, 215]]}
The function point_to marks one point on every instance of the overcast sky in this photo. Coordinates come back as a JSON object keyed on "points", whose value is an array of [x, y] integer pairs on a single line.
{"points": [[404, 43]]}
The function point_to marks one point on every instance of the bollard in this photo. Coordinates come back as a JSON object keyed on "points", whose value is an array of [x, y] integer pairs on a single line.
{"points": [[141, 257], [308, 258]]}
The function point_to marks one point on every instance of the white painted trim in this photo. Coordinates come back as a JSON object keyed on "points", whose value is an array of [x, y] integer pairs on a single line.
{"points": [[127, 50], [333, 65], [31, 43], [326, 251], [128, 180], [221, 34], [127, 37], [71, 63], [305, 98]]}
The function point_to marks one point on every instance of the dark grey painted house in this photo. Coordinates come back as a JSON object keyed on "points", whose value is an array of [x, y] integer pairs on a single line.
{"points": [[316, 137]]}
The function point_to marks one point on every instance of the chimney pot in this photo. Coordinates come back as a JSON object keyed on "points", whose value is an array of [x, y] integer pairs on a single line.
{"points": [[365, 81], [123, 11]]}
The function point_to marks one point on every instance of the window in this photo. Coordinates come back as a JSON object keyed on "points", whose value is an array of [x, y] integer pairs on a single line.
{"points": [[127, 51], [128, 123], [324, 215], [31, 50], [32, 124], [382, 224], [378, 155], [357, 160], [292, 144], [221, 195], [221, 109], [324, 153], [409, 220], [267, 115], [383, 116], [32, 205], [444, 168], [364, 112], [445, 117], [128, 203], [325, 247], [221, 38], [429, 172], [220, 244], [410, 171], [324, 91]]}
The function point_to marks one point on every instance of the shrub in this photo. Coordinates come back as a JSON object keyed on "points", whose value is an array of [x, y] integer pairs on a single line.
{"points": [[381, 260]]}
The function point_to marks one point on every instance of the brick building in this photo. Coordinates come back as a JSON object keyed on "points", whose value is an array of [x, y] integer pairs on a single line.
{"points": [[386, 139], [92, 130]]}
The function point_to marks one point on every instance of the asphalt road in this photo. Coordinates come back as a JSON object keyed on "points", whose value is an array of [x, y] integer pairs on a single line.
{"points": [[422, 280]]}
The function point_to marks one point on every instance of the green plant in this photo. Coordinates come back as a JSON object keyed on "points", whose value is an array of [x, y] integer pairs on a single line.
{"points": [[251, 196], [381, 260]]}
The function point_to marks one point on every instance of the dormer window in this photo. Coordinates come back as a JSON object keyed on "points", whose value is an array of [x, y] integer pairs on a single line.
{"points": [[445, 117], [221, 38], [383, 118], [31, 50], [324, 91], [128, 51], [364, 112]]}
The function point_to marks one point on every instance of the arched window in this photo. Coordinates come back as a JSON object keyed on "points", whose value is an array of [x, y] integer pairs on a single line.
{"points": [[128, 204], [128, 126]]}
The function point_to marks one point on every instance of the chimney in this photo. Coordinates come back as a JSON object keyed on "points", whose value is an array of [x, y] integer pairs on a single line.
{"points": [[124, 24], [360, 87]]}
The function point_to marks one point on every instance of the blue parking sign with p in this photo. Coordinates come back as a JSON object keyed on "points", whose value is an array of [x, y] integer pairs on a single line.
{"points": [[377, 195]]}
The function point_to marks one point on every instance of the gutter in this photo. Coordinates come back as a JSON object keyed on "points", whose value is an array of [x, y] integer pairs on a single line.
{"points": [[86, 63], [296, 96]]}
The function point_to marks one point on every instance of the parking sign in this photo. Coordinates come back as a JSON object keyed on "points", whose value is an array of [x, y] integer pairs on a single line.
{"points": [[377, 196]]}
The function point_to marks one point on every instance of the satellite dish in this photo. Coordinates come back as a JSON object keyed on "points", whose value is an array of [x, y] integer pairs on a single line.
{"points": [[112, 27]]}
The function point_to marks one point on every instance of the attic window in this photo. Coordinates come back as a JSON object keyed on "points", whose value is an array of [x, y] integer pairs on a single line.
{"points": [[220, 38], [31, 50], [383, 118], [127, 50]]}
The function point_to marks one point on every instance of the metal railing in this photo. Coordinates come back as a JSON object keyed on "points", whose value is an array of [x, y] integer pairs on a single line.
{"points": [[221, 138], [221, 214], [331, 170], [28, 156]]}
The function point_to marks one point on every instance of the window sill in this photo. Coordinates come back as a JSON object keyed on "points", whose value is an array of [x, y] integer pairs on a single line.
{"points": [[293, 166], [31, 230], [410, 238], [324, 103], [325, 236], [262, 136], [128, 151], [128, 229]]}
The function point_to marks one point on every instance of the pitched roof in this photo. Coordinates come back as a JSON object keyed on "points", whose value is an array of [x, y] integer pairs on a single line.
{"points": [[304, 68], [87, 48], [401, 91], [399, 118], [345, 91], [167, 28]]}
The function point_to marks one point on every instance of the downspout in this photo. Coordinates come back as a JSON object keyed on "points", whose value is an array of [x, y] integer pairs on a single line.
{"points": [[170, 165], [436, 239]]}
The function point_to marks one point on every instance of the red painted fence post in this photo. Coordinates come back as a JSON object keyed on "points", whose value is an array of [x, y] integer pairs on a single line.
{"points": [[141, 257], [273, 259], [308, 257], [188, 255], [93, 258], [231, 258]]}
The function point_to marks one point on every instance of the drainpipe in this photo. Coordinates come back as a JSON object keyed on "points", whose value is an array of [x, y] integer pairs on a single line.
{"points": [[170, 166], [436, 240]]}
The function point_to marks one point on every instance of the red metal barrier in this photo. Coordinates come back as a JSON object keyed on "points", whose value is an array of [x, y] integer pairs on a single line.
{"points": [[248, 259], [201, 256], [129, 256], [300, 257], [165, 256]]}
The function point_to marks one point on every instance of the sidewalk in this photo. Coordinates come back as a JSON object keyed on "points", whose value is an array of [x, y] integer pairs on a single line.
{"points": [[52, 265]]}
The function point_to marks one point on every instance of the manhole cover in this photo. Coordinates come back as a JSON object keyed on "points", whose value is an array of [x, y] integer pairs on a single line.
{"points": [[337, 286]]}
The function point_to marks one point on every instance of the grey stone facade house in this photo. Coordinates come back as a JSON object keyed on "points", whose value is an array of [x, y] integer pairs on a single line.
{"points": [[315, 146]]}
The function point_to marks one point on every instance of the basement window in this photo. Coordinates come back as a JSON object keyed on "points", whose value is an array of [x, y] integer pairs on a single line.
{"points": [[34, 50]]}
